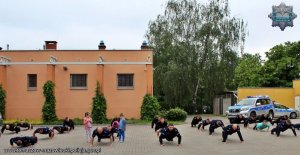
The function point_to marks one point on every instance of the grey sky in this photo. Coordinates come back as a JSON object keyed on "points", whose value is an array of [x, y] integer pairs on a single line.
{"points": [[81, 24]]}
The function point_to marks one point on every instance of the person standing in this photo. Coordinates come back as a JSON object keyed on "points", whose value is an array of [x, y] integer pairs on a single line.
{"points": [[87, 121], [122, 128]]}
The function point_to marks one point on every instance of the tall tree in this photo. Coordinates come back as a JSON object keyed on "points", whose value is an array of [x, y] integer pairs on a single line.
{"points": [[99, 106], [196, 47], [49, 112], [248, 73], [282, 65], [2, 101]]}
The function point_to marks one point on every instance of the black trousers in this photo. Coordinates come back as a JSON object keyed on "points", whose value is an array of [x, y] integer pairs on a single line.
{"points": [[224, 135], [297, 126], [212, 129], [161, 137], [278, 129]]}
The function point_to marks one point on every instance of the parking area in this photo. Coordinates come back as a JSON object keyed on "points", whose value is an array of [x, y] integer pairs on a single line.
{"points": [[141, 139]]}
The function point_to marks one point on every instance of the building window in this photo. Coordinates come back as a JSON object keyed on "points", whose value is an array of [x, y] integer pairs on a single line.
{"points": [[125, 81], [31, 81], [78, 81]]}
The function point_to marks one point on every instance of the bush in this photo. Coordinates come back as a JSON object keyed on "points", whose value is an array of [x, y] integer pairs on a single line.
{"points": [[99, 106], [176, 114], [162, 113], [2, 101], [78, 121], [150, 107], [49, 113]]}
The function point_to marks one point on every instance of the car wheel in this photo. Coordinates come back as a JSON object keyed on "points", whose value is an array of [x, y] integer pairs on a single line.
{"points": [[293, 115]]}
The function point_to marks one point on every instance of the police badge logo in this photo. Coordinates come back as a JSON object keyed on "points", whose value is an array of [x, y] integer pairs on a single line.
{"points": [[282, 16]]}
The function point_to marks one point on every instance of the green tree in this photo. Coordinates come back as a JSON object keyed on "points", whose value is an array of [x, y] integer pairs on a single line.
{"points": [[196, 49], [99, 106], [282, 65], [49, 113], [248, 73], [150, 107], [2, 101]]}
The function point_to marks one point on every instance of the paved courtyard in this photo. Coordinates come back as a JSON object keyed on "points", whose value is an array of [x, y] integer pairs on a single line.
{"points": [[141, 139]]}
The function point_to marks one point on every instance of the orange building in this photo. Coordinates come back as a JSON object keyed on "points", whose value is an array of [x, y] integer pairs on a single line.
{"points": [[125, 77]]}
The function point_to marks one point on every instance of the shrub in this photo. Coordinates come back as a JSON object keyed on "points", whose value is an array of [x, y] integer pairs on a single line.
{"points": [[176, 114], [162, 113], [49, 113], [99, 106], [2, 101], [150, 107], [78, 121]]}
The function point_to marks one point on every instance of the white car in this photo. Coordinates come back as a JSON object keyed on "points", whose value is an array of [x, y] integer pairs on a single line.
{"points": [[281, 110]]}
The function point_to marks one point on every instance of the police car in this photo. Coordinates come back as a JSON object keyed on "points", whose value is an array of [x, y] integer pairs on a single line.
{"points": [[251, 106], [281, 110]]}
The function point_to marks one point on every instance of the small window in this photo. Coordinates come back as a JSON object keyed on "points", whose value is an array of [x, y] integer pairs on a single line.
{"points": [[263, 102], [125, 81], [78, 81], [31, 81]]}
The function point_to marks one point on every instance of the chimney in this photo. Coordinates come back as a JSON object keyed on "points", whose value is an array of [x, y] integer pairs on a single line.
{"points": [[144, 45], [50, 45], [101, 46], [7, 47]]}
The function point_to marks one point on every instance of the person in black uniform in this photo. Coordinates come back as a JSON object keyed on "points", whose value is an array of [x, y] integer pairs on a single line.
{"points": [[10, 127], [69, 123], [44, 130], [196, 121], [263, 117], [297, 126], [249, 120], [266, 117], [203, 123], [61, 129], [214, 124], [23, 141], [229, 130], [281, 118], [239, 119], [161, 124], [169, 133], [154, 121], [102, 133], [23, 124], [283, 126]]}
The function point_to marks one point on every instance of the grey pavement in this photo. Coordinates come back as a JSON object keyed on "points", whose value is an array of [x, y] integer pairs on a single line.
{"points": [[141, 139]]}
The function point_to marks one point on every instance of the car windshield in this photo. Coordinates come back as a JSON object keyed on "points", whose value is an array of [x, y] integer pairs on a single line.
{"points": [[248, 101]]}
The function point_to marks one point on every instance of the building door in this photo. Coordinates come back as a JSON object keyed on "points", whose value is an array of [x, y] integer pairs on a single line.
{"points": [[297, 103]]}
